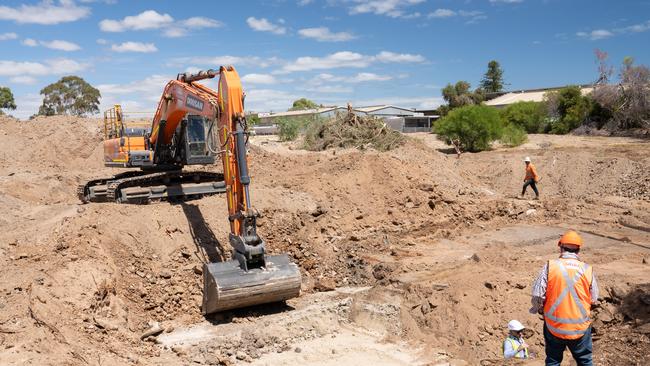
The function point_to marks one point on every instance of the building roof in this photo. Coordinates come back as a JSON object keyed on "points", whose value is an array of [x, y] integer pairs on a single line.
{"points": [[374, 108], [534, 95], [298, 112]]}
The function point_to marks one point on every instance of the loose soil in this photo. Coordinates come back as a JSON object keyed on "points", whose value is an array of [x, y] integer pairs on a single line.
{"points": [[409, 257]]}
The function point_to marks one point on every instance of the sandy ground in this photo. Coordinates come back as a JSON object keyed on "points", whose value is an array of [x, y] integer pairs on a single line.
{"points": [[410, 257]]}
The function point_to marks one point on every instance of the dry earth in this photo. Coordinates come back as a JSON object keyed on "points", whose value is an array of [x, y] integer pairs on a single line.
{"points": [[408, 257]]}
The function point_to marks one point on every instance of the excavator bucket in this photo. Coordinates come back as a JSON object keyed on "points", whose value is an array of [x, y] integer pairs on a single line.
{"points": [[227, 286]]}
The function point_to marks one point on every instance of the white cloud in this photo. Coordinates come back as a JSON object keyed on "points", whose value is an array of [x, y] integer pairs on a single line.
{"points": [[506, 1], [101, 41], [269, 100], [151, 87], [442, 13], [391, 8], [391, 57], [184, 27], [201, 22], [263, 25], [28, 80], [595, 34], [329, 89], [151, 19], [148, 19], [474, 15], [8, 36], [50, 67], [134, 47], [58, 44], [335, 60], [361, 77], [323, 34], [216, 61], [347, 59], [367, 76], [47, 12], [602, 33], [30, 42], [259, 79], [304, 2]]}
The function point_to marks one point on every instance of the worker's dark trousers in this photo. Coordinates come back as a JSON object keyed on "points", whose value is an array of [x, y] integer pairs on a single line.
{"points": [[530, 182], [580, 348]]}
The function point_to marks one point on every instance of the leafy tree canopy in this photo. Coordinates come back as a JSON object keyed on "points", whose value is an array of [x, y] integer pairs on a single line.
{"points": [[70, 95], [6, 99], [303, 103]]}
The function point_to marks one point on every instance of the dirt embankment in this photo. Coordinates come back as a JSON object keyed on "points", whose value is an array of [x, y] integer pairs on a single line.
{"points": [[447, 251]]}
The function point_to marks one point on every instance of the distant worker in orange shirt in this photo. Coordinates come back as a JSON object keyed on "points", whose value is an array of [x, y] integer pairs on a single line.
{"points": [[530, 179]]}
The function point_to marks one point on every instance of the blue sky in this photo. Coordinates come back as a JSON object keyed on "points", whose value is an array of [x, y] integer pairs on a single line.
{"points": [[332, 51]]}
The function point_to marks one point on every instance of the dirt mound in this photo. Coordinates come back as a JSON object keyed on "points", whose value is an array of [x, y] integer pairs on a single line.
{"points": [[350, 130]]}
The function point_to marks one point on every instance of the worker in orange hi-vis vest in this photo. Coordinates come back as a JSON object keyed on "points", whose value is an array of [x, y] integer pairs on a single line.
{"points": [[530, 179], [564, 292]]}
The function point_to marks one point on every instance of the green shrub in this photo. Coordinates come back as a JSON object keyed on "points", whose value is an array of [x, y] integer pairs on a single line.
{"points": [[476, 127], [568, 108], [290, 127], [531, 116], [513, 135]]}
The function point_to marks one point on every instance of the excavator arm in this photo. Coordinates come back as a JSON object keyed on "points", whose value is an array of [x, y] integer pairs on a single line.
{"points": [[252, 277]]}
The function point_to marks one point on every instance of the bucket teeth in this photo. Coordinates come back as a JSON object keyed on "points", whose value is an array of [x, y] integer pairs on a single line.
{"points": [[226, 286]]}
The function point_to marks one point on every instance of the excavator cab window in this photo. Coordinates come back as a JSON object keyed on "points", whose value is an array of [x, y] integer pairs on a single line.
{"points": [[197, 129]]}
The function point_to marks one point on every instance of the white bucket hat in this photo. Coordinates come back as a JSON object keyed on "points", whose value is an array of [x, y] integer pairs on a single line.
{"points": [[515, 325], [527, 159]]}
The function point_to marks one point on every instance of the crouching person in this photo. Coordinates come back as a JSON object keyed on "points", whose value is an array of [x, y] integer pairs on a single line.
{"points": [[514, 346]]}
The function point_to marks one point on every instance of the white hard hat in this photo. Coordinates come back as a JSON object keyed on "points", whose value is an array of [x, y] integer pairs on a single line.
{"points": [[527, 159], [515, 325]]}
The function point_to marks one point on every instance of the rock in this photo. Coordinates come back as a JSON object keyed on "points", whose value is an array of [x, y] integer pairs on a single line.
{"points": [[618, 291], [520, 286], [178, 350], [298, 350], [531, 211], [140, 273], [359, 217], [490, 285], [155, 329], [644, 261], [325, 284], [240, 355], [165, 274], [425, 308], [354, 238], [318, 211], [426, 187], [475, 257], [105, 324], [644, 329], [432, 204], [198, 270], [439, 286], [605, 317]]}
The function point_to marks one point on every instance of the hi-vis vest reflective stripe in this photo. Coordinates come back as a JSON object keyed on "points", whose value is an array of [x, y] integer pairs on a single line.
{"points": [[568, 298], [514, 345]]}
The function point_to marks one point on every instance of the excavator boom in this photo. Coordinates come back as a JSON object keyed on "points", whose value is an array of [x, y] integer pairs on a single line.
{"points": [[252, 277]]}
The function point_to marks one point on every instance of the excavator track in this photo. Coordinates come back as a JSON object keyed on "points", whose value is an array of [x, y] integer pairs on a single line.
{"points": [[169, 185], [95, 190]]}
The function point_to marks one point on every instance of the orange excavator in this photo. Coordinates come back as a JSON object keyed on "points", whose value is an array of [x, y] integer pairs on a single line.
{"points": [[186, 115]]}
